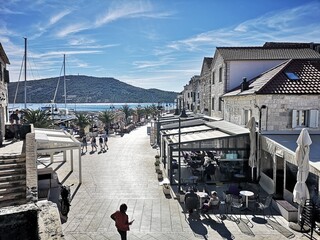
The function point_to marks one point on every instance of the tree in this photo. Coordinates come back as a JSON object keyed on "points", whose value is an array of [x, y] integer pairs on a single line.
{"points": [[127, 112], [140, 112], [106, 117], [39, 119], [82, 121]]}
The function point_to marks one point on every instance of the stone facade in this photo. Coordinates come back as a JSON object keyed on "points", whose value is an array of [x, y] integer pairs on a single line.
{"points": [[278, 114], [218, 87]]}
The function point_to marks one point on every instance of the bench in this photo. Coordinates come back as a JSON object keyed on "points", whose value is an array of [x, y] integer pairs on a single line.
{"points": [[287, 210]]}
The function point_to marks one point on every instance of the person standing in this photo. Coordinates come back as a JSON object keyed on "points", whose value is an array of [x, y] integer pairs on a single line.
{"points": [[122, 221], [15, 124], [106, 142], [93, 143]]}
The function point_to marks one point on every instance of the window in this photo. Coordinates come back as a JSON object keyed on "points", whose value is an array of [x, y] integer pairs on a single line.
{"points": [[246, 116], [292, 76], [220, 74], [220, 103], [212, 106], [213, 73], [188, 95], [305, 118]]}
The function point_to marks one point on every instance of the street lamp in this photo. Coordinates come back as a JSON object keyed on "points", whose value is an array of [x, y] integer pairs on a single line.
{"points": [[183, 115], [259, 142]]}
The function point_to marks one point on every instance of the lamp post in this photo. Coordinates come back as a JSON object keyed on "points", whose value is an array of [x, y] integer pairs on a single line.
{"points": [[258, 139], [181, 116]]}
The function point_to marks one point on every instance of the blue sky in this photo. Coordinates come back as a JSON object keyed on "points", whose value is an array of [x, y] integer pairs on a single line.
{"points": [[149, 44]]}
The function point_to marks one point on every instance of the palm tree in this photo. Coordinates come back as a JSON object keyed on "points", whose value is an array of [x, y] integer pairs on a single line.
{"points": [[82, 121], [140, 112], [39, 119], [106, 117], [127, 112]]}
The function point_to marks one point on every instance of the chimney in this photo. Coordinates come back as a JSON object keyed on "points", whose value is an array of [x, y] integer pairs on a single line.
{"points": [[244, 84]]}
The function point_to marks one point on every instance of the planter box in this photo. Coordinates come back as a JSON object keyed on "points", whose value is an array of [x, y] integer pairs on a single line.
{"points": [[166, 190], [288, 211]]}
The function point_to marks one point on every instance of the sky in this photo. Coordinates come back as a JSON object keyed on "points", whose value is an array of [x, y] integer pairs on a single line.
{"points": [[145, 43]]}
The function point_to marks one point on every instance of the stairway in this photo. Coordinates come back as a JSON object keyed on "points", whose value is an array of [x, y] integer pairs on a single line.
{"points": [[12, 181]]}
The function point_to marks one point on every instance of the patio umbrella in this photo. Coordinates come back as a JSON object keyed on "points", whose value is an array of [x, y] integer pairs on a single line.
{"points": [[253, 144], [300, 191]]}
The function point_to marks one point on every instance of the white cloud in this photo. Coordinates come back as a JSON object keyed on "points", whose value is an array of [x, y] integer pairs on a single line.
{"points": [[74, 28], [54, 19]]}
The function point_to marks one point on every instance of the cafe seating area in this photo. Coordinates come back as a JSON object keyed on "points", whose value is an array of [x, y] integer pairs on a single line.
{"points": [[208, 167]]}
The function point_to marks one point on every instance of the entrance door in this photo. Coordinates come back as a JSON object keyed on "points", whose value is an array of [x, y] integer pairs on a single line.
{"points": [[279, 179]]}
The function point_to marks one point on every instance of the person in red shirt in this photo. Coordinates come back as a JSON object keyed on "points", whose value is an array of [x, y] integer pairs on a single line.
{"points": [[122, 221]]}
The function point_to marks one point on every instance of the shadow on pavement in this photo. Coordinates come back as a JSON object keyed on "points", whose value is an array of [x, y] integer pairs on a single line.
{"points": [[219, 227], [197, 226]]}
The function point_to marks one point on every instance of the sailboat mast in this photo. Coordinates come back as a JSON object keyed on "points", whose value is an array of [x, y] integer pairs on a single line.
{"points": [[65, 85], [25, 73]]}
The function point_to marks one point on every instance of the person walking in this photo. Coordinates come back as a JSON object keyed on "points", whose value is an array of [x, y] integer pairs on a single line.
{"points": [[101, 144], [122, 221], [84, 143], [93, 144]]}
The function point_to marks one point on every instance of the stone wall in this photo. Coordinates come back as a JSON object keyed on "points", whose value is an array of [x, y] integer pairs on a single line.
{"points": [[31, 168], [278, 114], [31, 221]]}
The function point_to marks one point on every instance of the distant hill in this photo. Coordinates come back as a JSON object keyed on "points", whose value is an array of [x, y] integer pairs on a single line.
{"points": [[85, 89]]}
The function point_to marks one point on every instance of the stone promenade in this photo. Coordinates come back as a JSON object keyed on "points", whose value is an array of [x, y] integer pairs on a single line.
{"points": [[125, 174]]}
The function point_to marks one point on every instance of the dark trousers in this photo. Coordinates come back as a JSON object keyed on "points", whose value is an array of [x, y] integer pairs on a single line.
{"points": [[123, 234]]}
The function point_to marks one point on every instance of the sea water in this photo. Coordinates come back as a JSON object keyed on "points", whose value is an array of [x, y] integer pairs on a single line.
{"points": [[88, 107]]}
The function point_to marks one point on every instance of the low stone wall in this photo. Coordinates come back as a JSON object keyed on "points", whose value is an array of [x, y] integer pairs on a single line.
{"points": [[31, 221]]}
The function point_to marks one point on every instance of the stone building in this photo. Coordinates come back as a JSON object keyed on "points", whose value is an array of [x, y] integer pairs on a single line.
{"points": [[4, 80], [231, 64], [205, 87]]}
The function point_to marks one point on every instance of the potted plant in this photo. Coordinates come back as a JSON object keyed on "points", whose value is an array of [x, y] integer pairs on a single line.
{"points": [[157, 166], [157, 157], [160, 176], [166, 188]]}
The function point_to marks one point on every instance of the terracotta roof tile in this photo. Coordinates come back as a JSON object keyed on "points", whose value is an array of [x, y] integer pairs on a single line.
{"points": [[263, 53]]}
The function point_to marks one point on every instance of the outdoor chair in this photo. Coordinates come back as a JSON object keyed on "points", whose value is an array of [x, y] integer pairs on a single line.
{"points": [[214, 207], [236, 203], [262, 206]]}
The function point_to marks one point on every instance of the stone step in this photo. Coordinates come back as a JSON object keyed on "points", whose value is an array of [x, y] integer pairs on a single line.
{"points": [[12, 172], [11, 160], [10, 190], [13, 183], [12, 166], [13, 177], [13, 196]]}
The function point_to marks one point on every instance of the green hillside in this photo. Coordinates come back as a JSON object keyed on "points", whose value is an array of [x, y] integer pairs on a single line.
{"points": [[85, 89]]}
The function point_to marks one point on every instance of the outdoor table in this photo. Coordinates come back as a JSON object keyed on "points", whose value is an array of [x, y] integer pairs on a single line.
{"points": [[247, 194], [201, 195]]}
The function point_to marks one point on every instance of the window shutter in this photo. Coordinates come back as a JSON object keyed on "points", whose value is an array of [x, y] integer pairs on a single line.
{"points": [[294, 118], [313, 118]]}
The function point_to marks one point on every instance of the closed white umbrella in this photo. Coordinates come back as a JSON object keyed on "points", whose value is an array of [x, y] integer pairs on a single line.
{"points": [[253, 144], [300, 191]]}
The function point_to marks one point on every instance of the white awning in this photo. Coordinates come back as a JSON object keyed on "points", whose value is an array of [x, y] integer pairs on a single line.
{"points": [[187, 130], [50, 141], [198, 136]]}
